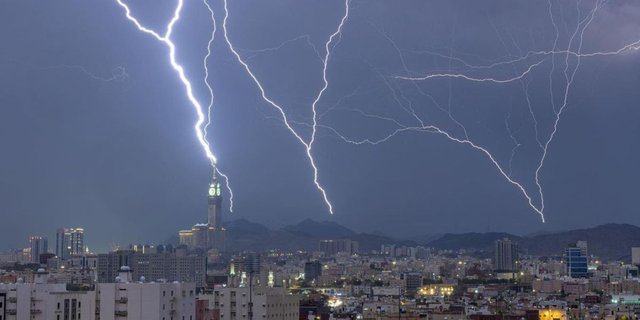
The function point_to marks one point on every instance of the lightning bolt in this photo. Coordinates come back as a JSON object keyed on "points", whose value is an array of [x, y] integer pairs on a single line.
{"points": [[471, 78], [212, 96], [569, 81], [165, 39], [306, 37], [117, 74], [308, 145], [572, 55]]}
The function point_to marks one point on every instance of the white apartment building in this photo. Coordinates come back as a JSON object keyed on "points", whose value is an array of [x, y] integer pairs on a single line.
{"points": [[124, 300], [140, 301], [268, 303], [41, 300]]}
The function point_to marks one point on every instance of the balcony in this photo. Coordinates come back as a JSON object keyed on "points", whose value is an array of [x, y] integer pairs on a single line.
{"points": [[11, 312], [122, 300], [12, 300], [36, 311]]}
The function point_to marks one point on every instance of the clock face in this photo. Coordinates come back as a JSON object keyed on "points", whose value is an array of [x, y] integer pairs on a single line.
{"points": [[212, 191]]}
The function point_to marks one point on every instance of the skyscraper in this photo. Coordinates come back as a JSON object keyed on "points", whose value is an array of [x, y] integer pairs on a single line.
{"points": [[210, 235], [575, 258], [333, 247], [215, 204], [69, 242], [39, 245], [312, 270], [506, 255]]}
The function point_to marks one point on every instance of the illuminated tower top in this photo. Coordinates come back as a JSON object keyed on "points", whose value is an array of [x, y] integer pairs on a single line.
{"points": [[214, 203]]}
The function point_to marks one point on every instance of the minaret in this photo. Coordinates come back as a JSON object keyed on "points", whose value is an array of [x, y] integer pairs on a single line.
{"points": [[215, 203]]}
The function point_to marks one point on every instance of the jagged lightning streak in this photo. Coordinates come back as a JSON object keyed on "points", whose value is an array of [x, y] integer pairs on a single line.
{"points": [[569, 72], [437, 130], [329, 45], [211, 95], [118, 73], [569, 82], [306, 37], [470, 78], [177, 67]]}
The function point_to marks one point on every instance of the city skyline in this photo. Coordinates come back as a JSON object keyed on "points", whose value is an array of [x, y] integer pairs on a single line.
{"points": [[116, 131]]}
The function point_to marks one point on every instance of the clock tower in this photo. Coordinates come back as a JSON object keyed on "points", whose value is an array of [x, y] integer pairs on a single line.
{"points": [[210, 235], [215, 203]]}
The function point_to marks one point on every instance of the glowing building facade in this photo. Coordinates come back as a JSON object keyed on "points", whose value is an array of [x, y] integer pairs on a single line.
{"points": [[69, 242], [576, 260]]}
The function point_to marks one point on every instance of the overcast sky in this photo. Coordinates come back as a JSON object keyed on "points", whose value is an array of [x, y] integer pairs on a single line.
{"points": [[85, 144]]}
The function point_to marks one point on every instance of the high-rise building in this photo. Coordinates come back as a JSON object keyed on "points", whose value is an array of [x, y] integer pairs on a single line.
{"points": [[39, 245], [249, 263], [505, 256], [153, 266], [635, 256], [312, 270], [69, 242], [210, 235], [332, 247], [576, 261], [214, 204], [412, 282]]}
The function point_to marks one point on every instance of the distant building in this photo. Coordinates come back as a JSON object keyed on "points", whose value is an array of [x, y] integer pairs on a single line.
{"points": [[576, 261], [263, 303], [333, 247], [312, 270], [249, 263], [505, 256], [39, 245], [210, 235], [412, 282], [635, 256], [153, 266], [69, 242]]}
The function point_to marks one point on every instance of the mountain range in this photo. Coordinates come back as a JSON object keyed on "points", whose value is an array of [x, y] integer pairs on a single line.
{"points": [[608, 241]]}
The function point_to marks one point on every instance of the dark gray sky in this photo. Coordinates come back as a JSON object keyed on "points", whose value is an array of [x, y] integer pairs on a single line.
{"points": [[120, 157]]}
